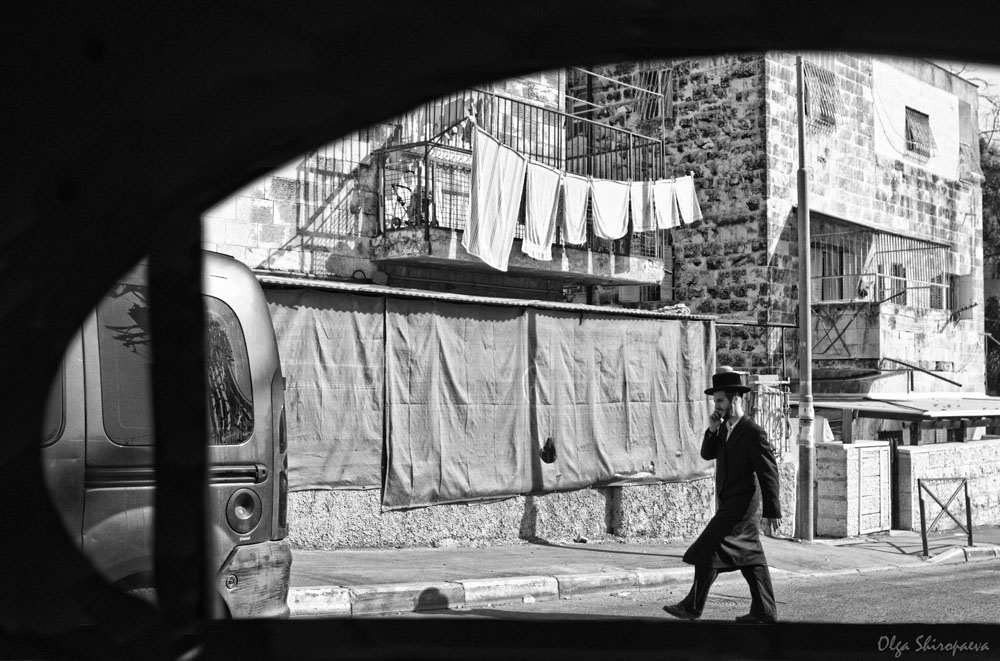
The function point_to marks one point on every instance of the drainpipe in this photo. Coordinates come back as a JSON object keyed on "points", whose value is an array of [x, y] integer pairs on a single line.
{"points": [[806, 493]]}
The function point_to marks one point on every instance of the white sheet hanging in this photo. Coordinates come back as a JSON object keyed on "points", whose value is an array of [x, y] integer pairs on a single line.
{"points": [[641, 195], [576, 189], [687, 200], [542, 190], [665, 204], [497, 186], [610, 200]]}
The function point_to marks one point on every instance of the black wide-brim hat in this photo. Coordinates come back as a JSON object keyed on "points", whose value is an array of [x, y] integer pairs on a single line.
{"points": [[727, 381]]}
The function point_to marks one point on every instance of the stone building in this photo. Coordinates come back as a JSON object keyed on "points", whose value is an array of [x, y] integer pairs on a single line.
{"points": [[895, 198]]}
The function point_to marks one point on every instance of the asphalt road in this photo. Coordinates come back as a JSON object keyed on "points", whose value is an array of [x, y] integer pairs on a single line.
{"points": [[935, 594]]}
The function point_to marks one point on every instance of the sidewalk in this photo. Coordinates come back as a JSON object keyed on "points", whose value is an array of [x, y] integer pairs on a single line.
{"points": [[352, 582]]}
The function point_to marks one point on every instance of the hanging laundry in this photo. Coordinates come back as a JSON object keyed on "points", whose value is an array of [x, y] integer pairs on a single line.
{"points": [[576, 189], [494, 201], [687, 200], [610, 200], [641, 194], [542, 190], [665, 204]]}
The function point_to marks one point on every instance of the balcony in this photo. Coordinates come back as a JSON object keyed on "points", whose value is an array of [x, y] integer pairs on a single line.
{"points": [[424, 173], [883, 301]]}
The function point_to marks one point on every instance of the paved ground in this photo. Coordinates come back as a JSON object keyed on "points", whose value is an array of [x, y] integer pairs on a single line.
{"points": [[357, 582]]}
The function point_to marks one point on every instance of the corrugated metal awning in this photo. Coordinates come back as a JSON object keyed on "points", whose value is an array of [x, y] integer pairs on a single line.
{"points": [[380, 290], [912, 407]]}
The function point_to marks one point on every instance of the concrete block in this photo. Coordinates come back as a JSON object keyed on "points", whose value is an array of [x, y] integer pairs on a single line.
{"points": [[979, 553], [319, 601], [405, 597], [571, 585], [504, 590]]}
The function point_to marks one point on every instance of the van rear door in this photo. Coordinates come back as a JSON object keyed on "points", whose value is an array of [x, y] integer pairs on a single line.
{"points": [[120, 478]]}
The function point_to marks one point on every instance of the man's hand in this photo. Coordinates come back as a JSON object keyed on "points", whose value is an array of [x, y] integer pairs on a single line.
{"points": [[714, 422], [770, 526]]}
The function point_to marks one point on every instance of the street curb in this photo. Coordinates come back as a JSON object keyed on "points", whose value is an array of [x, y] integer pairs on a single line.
{"points": [[376, 599], [966, 554]]}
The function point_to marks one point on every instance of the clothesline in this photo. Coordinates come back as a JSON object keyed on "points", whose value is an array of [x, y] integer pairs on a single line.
{"points": [[500, 175]]}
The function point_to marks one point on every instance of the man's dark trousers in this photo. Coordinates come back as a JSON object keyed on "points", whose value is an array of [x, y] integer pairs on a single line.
{"points": [[758, 577]]}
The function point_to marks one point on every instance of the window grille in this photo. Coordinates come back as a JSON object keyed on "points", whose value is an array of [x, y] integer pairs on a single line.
{"points": [[919, 139], [868, 265], [822, 99]]}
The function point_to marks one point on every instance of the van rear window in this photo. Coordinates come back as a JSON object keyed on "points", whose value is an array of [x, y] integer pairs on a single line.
{"points": [[54, 409], [126, 377]]}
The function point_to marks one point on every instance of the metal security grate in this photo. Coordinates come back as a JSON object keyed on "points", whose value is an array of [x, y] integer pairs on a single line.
{"points": [[822, 99], [919, 138], [868, 265]]}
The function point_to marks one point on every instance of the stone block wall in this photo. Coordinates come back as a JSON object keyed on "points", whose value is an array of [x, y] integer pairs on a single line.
{"points": [[353, 519], [931, 340], [314, 216], [979, 461], [853, 488], [655, 512]]}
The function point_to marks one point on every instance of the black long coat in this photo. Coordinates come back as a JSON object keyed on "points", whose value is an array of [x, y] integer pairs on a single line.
{"points": [[745, 473]]}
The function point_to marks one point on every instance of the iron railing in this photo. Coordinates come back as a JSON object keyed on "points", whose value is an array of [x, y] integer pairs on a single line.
{"points": [[425, 164], [878, 266]]}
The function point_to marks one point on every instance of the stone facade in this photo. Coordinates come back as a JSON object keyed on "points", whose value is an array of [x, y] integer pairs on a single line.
{"points": [[979, 461], [733, 123], [661, 512], [341, 519], [860, 172]]}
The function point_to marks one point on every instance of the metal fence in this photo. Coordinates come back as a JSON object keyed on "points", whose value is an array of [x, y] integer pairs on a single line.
{"points": [[426, 161], [328, 187], [767, 405], [878, 266]]}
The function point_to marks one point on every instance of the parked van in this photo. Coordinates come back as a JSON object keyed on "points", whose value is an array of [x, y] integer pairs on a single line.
{"points": [[98, 440]]}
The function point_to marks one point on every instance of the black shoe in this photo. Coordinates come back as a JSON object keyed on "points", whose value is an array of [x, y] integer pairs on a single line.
{"points": [[751, 618], [680, 611]]}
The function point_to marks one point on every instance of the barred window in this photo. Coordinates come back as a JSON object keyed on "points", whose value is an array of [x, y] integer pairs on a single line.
{"points": [[822, 99], [919, 139]]}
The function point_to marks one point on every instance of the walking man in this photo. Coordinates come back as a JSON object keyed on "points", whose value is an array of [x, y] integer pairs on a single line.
{"points": [[745, 471]]}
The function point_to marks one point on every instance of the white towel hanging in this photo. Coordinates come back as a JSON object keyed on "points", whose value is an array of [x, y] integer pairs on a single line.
{"points": [[542, 190], [610, 203], [494, 200], [576, 190]]}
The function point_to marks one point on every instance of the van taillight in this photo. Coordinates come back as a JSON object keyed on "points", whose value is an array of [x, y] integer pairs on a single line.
{"points": [[283, 500], [282, 434]]}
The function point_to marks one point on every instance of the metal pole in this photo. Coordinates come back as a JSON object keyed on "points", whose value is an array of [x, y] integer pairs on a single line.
{"points": [[923, 523], [968, 510], [804, 524]]}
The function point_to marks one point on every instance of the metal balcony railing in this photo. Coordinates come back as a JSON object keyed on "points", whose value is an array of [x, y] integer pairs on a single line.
{"points": [[425, 165]]}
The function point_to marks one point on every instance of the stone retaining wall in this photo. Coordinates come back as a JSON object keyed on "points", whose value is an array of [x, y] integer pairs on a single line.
{"points": [[977, 460], [663, 512]]}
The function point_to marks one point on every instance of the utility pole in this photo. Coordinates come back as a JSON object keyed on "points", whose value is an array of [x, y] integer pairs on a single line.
{"points": [[806, 498]]}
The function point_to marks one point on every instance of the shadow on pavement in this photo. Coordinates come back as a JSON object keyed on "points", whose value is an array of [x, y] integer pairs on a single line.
{"points": [[538, 541]]}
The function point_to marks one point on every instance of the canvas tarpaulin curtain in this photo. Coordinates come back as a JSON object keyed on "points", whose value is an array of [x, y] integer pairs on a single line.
{"points": [[475, 391], [457, 420], [332, 355], [621, 398]]}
